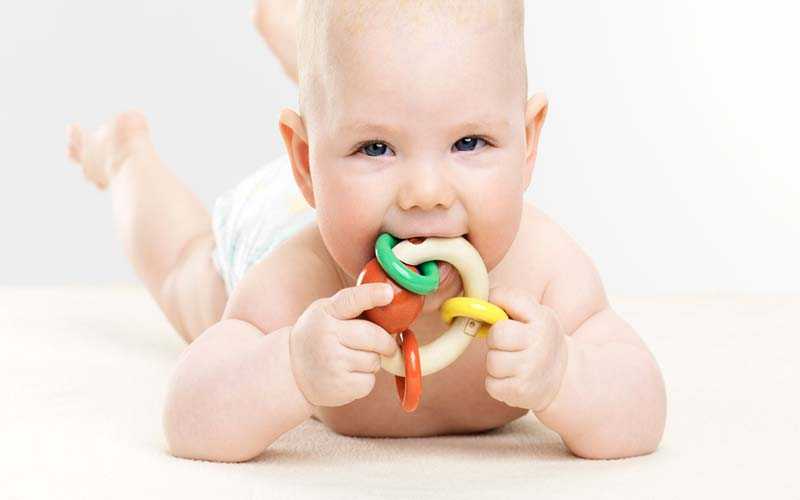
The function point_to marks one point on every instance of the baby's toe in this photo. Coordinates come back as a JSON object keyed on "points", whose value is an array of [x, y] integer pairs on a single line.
{"points": [[74, 142]]}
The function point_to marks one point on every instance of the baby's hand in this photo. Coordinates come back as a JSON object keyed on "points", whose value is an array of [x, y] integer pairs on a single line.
{"points": [[334, 357], [527, 354]]}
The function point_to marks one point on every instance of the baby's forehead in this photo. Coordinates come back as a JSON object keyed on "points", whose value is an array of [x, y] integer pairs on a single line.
{"points": [[393, 29], [370, 62]]}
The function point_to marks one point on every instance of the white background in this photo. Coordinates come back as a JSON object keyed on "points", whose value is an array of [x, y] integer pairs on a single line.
{"points": [[669, 152]]}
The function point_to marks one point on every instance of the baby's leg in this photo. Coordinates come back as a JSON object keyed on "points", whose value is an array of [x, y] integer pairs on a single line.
{"points": [[275, 21], [165, 230]]}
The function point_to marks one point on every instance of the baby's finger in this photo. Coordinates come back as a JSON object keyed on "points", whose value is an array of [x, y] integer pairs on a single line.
{"points": [[517, 302], [363, 361], [361, 383], [364, 335], [502, 364], [501, 389], [350, 302], [510, 335]]}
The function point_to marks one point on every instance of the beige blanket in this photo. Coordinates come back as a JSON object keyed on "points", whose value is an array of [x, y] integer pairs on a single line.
{"points": [[83, 373]]}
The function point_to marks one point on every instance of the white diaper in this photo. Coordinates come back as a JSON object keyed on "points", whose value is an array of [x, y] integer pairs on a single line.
{"points": [[253, 217]]}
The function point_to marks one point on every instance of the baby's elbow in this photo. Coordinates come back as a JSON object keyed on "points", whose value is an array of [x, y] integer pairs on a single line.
{"points": [[628, 436], [194, 428], [621, 441], [194, 451], [608, 449], [180, 450], [186, 439]]}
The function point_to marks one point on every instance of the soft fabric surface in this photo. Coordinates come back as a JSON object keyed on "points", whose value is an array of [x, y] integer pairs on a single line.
{"points": [[84, 373]]}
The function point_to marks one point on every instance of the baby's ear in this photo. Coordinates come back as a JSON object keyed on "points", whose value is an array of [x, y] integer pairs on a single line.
{"points": [[295, 139], [535, 113]]}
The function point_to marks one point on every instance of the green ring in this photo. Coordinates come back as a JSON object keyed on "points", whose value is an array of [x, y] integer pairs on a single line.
{"points": [[423, 283]]}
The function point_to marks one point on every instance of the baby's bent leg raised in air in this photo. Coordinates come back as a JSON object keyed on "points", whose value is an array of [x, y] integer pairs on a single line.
{"points": [[165, 230]]}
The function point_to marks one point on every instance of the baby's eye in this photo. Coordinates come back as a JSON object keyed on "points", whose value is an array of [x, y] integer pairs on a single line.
{"points": [[374, 149], [467, 143]]}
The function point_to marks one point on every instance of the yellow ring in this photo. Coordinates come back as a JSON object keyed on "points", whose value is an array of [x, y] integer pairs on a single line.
{"points": [[477, 309]]}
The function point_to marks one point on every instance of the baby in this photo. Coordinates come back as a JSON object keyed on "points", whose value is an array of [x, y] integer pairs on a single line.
{"points": [[413, 119]]}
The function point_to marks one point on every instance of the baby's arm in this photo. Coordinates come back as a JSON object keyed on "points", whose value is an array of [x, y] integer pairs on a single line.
{"points": [[612, 401], [233, 392]]}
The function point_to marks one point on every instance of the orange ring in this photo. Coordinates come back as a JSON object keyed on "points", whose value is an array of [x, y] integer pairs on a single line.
{"points": [[409, 388]]}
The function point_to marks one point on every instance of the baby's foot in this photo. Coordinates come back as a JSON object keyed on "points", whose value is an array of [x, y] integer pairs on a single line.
{"points": [[101, 152], [275, 21]]}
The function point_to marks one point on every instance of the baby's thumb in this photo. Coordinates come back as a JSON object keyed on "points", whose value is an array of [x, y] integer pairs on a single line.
{"points": [[349, 303]]}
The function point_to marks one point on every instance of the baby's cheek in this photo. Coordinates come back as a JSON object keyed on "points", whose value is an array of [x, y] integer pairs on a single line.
{"points": [[494, 218], [348, 225]]}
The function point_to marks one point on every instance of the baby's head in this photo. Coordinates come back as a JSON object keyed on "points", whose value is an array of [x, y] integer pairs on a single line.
{"points": [[414, 120]]}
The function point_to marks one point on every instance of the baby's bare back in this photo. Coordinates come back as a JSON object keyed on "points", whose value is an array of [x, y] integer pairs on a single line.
{"points": [[454, 400]]}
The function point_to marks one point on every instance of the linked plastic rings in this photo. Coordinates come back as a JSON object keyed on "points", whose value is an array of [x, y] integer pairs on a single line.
{"points": [[452, 343], [423, 283], [483, 312], [409, 388]]}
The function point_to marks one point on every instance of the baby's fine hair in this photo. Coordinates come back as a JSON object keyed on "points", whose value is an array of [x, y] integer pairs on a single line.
{"points": [[318, 19]]}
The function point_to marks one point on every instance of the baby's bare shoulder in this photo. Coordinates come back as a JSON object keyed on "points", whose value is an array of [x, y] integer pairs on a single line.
{"points": [[275, 291], [547, 240], [541, 248], [553, 266]]}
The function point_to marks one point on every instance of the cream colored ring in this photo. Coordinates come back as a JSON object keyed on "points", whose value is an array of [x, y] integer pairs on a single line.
{"points": [[475, 280]]}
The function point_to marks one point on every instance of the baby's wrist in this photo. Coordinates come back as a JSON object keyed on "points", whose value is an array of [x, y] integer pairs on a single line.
{"points": [[302, 402], [566, 357]]}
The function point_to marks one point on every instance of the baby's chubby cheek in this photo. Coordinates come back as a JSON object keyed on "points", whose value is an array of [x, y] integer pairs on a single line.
{"points": [[494, 217], [349, 225]]}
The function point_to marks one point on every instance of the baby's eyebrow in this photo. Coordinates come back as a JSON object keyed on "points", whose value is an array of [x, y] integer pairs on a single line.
{"points": [[488, 124], [369, 127]]}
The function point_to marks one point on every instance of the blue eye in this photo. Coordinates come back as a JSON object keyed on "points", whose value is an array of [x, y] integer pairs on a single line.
{"points": [[467, 143], [374, 149], [377, 148]]}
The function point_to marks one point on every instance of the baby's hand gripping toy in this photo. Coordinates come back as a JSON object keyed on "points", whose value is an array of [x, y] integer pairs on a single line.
{"points": [[467, 316]]}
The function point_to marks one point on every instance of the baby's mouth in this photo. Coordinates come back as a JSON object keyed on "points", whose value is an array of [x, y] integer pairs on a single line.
{"points": [[446, 271], [449, 278], [416, 239]]}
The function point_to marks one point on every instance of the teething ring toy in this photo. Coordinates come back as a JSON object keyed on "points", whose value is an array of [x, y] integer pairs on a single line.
{"points": [[475, 280], [423, 283], [479, 310], [409, 388]]}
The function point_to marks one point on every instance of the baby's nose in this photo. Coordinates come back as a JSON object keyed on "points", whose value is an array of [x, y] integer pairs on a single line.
{"points": [[427, 189]]}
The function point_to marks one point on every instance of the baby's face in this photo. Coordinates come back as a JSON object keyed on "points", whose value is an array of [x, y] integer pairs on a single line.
{"points": [[421, 135]]}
